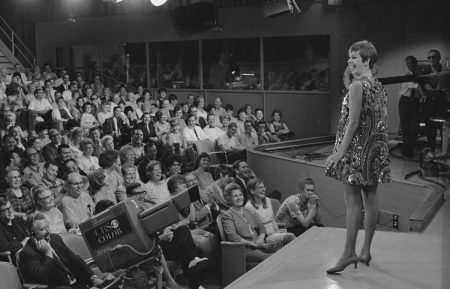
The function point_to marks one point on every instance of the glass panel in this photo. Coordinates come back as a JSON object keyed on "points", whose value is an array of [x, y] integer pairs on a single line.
{"points": [[231, 63], [297, 63], [178, 64], [137, 73]]}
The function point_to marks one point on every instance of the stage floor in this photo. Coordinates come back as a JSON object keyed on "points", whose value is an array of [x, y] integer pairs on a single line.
{"points": [[400, 260]]}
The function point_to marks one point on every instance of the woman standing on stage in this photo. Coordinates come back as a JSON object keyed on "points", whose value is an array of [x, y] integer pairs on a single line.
{"points": [[360, 156]]}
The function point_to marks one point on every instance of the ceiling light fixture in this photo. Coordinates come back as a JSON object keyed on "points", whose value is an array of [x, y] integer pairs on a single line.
{"points": [[158, 2]]}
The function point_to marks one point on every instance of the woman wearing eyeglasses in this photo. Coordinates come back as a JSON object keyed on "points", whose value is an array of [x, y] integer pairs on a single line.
{"points": [[45, 204]]}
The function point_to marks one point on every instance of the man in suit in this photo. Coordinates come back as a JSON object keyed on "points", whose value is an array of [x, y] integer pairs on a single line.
{"points": [[147, 128], [65, 85], [117, 127], [45, 259], [200, 121], [50, 150], [242, 174]]}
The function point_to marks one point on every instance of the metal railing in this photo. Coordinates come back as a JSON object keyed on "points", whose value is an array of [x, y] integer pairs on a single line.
{"points": [[16, 45]]}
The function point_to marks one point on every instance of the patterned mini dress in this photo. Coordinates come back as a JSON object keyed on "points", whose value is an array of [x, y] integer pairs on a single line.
{"points": [[366, 161]]}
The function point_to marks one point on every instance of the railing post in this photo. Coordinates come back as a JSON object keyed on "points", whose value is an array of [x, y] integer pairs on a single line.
{"points": [[128, 67], [12, 43]]}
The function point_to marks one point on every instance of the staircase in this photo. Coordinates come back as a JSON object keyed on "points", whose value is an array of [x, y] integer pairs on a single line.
{"points": [[12, 49]]}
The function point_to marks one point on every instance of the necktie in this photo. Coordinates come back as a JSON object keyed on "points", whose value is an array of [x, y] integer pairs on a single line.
{"points": [[196, 134]]}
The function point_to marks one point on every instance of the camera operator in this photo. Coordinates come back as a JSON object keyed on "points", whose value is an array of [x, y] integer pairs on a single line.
{"points": [[301, 211]]}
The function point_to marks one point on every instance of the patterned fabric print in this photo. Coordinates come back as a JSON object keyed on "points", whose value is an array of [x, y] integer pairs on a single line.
{"points": [[366, 161], [23, 204]]}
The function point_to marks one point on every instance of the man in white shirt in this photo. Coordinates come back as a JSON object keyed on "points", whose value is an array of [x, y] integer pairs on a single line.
{"points": [[40, 104], [211, 131], [409, 109], [248, 139], [104, 114], [192, 132], [218, 111], [49, 92], [230, 144]]}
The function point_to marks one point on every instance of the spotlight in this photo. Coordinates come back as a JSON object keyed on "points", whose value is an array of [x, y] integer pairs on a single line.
{"points": [[158, 2]]}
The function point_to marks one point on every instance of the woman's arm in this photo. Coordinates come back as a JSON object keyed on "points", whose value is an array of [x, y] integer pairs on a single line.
{"points": [[355, 103], [271, 128]]}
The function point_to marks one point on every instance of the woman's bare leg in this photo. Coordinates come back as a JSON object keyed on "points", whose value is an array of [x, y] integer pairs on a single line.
{"points": [[369, 194], [353, 202]]}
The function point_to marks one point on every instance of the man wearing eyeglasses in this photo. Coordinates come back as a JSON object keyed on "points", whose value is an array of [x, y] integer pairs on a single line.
{"points": [[435, 105], [13, 233], [77, 205], [50, 150]]}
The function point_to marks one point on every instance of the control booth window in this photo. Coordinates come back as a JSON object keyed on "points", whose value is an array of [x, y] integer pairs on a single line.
{"points": [[178, 64], [297, 63], [231, 64]]}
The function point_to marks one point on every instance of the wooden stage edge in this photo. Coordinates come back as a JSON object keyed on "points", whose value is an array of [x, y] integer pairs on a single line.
{"points": [[414, 203], [400, 260]]}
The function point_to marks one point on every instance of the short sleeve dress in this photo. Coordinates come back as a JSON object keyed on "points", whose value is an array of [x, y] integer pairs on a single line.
{"points": [[366, 161]]}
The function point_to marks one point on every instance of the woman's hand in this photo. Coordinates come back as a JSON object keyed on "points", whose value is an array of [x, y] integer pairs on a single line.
{"points": [[332, 160], [259, 242]]}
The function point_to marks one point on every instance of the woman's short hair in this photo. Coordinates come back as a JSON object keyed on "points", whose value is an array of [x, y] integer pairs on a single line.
{"points": [[225, 170], [201, 156], [259, 109], [76, 131], [106, 138], [228, 190], [126, 167], [107, 158], [158, 115], [277, 111], [366, 50], [123, 153], [151, 166], [84, 142], [83, 107], [304, 182], [173, 182]]}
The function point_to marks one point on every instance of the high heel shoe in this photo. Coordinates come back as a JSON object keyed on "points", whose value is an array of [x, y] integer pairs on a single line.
{"points": [[342, 264], [365, 260]]}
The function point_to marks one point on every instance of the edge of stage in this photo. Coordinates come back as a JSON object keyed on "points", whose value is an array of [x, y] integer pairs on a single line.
{"points": [[400, 260]]}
